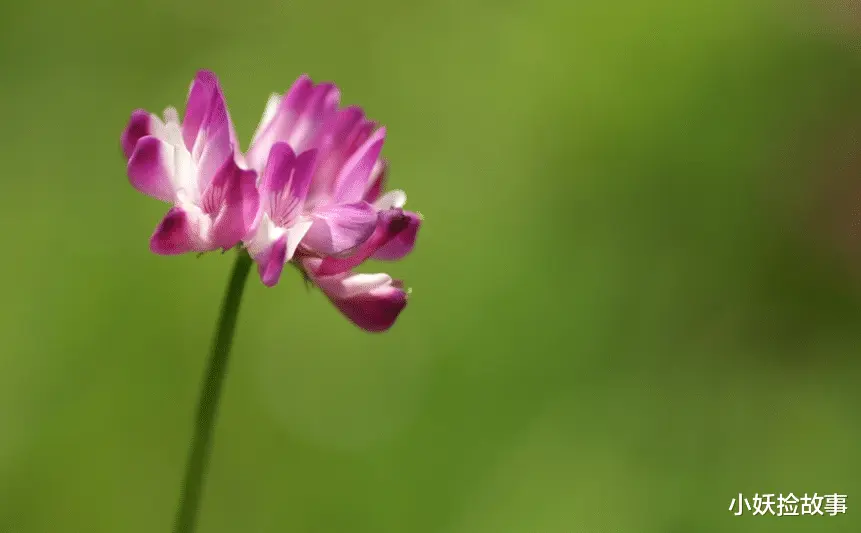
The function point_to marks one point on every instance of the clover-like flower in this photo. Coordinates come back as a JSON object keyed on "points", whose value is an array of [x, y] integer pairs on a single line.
{"points": [[322, 207], [192, 165]]}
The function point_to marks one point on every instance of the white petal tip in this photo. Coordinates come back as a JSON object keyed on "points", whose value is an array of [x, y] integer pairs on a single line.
{"points": [[171, 115]]}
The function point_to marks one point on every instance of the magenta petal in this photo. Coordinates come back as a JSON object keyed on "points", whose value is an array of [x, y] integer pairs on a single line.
{"points": [[139, 126], [204, 92], [371, 301], [339, 228], [174, 235], [149, 170], [352, 181], [299, 94], [207, 130], [234, 203], [278, 168], [374, 312], [271, 262], [285, 184], [345, 133], [377, 181], [390, 225], [299, 119], [402, 243]]}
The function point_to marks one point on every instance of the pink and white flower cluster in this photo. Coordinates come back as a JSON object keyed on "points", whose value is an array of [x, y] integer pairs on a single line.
{"points": [[307, 190]]}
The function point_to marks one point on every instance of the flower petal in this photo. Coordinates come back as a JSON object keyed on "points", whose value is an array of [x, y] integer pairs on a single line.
{"points": [[179, 232], [352, 181], [377, 181], [207, 130], [403, 242], [321, 104], [232, 200], [296, 118], [270, 263], [285, 184], [295, 234], [371, 301], [150, 168], [205, 110], [392, 199], [139, 126], [339, 228], [390, 225], [279, 165]]}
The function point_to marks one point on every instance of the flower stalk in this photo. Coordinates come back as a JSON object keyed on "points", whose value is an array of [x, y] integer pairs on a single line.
{"points": [[210, 394]]}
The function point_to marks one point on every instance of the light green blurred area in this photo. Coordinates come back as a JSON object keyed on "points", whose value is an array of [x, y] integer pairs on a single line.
{"points": [[633, 293]]}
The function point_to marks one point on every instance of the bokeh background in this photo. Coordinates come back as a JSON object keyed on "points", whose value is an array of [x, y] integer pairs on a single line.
{"points": [[637, 291]]}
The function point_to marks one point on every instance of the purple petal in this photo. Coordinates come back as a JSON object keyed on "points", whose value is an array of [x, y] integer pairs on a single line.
{"points": [[286, 180], [298, 119], [278, 168], [233, 202], [352, 181], [203, 94], [401, 244], [376, 311], [338, 228], [390, 225], [176, 234], [377, 181], [207, 130], [149, 168], [270, 263], [342, 136], [299, 94], [139, 126], [371, 301]]}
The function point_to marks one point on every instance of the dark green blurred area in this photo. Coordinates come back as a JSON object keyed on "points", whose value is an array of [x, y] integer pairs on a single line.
{"points": [[637, 291]]}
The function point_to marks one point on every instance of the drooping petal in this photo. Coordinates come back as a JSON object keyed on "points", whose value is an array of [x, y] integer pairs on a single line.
{"points": [[338, 228], [390, 225], [401, 244], [270, 263], [150, 168], [232, 200], [285, 183], [180, 231], [371, 301], [139, 126], [352, 180]]}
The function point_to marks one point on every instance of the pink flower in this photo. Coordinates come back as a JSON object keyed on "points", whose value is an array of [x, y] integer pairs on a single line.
{"points": [[308, 190], [193, 166], [322, 208]]}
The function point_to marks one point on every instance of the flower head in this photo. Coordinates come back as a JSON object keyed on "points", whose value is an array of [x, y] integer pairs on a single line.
{"points": [[193, 165], [323, 207], [308, 190]]}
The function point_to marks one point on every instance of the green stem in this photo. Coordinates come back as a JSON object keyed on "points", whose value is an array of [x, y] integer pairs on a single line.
{"points": [[198, 456]]}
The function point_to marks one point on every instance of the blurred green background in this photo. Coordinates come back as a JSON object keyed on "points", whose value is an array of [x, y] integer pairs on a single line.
{"points": [[637, 291]]}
